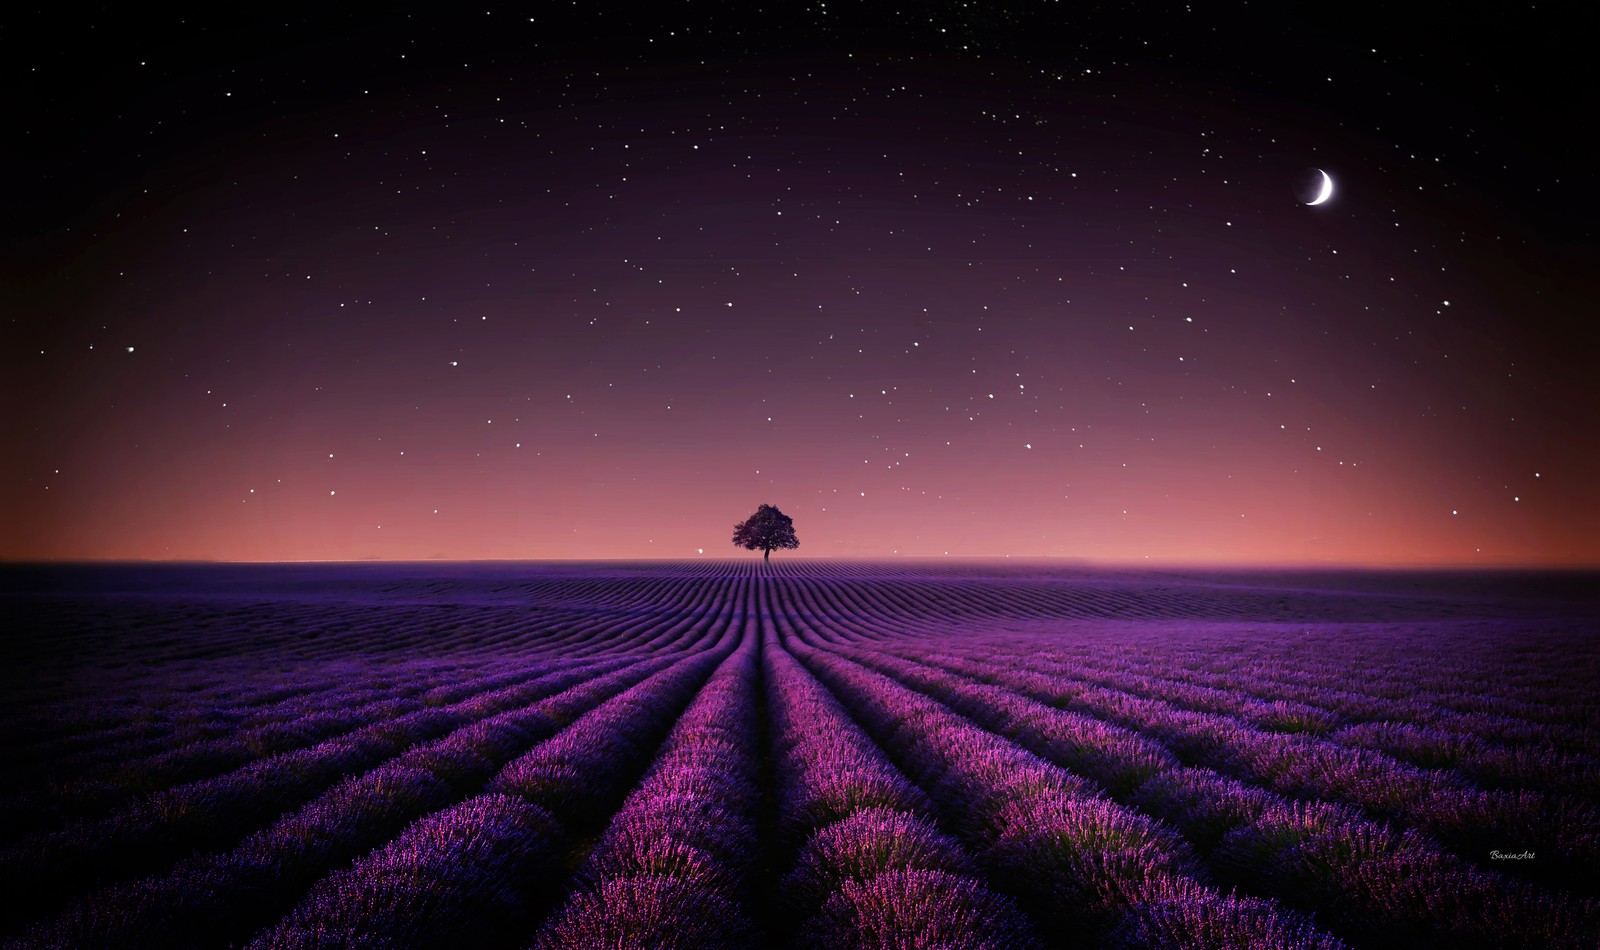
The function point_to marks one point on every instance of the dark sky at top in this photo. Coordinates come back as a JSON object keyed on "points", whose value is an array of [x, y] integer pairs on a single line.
{"points": [[1027, 279]]}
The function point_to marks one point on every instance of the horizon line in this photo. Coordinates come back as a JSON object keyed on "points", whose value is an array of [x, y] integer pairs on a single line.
{"points": [[1121, 563]]}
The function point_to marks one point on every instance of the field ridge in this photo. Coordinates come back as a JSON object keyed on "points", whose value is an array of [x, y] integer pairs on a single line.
{"points": [[803, 752]]}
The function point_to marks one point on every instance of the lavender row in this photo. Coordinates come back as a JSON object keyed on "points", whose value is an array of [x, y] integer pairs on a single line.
{"points": [[209, 734], [1276, 714], [1381, 886], [457, 877], [163, 826], [93, 724], [1523, 767], [826, 767], [847, 605], [675, 864], [113, 732], [95, 795], [210, 740], [213, 813], [1473, 822], [480, 871], [641, 623], [1309, 766], [1116, 759], [173, 633], [1484, 764], [220, 898], [1319, 702], [1348, 878], [1085, 865], [871, 866], [1421, 735], [1526, 681], [1415, 729], [1557, 719]]}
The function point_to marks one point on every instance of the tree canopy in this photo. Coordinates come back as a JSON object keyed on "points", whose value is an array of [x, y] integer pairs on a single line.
{"points": [[768, 528]]}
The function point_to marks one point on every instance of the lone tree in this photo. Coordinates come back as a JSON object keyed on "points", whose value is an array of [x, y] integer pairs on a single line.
{"points": [[768, 528]]}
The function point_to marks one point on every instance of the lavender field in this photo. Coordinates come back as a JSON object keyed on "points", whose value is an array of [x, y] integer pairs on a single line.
{"points": [[804, 753]]}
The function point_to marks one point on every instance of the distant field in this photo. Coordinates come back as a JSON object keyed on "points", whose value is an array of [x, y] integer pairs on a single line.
{"points": [[717, 753]]}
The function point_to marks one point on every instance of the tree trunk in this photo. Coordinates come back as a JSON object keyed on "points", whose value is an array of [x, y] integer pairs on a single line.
{"points": [[766, 554]]}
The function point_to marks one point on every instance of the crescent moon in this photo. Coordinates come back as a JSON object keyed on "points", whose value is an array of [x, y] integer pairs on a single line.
{"points": [[1327, 189]]}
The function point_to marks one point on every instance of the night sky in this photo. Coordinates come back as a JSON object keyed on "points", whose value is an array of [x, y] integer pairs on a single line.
{"points": [[976, 279]]}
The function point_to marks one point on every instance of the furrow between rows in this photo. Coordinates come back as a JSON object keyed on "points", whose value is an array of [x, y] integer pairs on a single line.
{"points": [[1086, 866], [1473, 823], [860, 844]]}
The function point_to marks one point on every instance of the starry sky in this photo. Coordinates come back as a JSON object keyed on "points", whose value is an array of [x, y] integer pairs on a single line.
{"points": [[967, 279]]}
